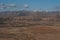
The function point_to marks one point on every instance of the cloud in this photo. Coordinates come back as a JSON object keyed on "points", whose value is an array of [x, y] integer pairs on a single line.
{"points": [[11, 5], [2, 6], [26, 5], [5, 6]]}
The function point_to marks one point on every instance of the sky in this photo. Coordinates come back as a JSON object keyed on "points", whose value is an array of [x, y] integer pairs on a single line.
{"points": [[33, 4]]}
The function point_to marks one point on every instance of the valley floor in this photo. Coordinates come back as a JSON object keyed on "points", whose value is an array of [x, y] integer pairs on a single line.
{"points": [[30, 33]]}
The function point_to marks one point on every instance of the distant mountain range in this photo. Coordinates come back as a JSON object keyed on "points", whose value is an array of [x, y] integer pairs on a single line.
{"points": [[26, 13]]}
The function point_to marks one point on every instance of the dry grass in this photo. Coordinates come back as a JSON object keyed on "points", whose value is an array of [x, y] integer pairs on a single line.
{"points": [[30, 33]]}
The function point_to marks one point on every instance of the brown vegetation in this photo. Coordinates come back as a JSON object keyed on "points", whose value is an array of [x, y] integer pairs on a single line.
{"points": [[30, 33], [30, 26]]}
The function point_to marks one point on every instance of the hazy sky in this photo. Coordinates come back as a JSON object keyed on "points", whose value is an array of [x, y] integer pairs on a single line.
{"points": [[34, 4]]}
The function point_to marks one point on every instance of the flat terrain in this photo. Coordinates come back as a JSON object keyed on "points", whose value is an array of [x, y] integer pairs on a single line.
{"points": [[30, 33]]}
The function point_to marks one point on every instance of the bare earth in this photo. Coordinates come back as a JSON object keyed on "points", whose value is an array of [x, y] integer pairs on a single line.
{"points": [[30, 33]]}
